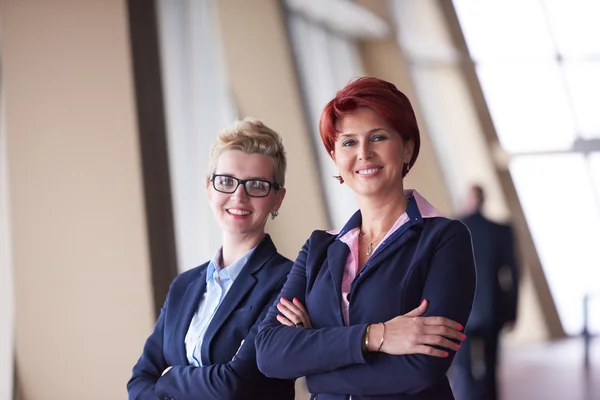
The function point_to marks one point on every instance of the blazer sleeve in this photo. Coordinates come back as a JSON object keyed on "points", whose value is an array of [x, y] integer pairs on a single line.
{"points": [[288, 352], [449, 288], [218, 381], [151, 364]]}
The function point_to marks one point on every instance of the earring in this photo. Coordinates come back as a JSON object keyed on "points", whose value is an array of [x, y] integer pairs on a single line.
{"points": [[274, 214], [339, 178], [405, 169]]}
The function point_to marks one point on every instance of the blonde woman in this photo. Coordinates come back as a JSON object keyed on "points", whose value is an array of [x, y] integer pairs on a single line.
{"points": [[202, 346]]}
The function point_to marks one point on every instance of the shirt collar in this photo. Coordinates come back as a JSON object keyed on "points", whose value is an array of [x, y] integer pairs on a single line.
{"points": [[418, 209], [232, 271]]}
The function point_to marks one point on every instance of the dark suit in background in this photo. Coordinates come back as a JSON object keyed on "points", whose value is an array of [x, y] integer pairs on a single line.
{"points": [[495, 305]]}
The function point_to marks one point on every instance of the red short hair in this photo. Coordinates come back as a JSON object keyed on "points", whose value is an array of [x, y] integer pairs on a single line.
{"points": [[380, 96]]}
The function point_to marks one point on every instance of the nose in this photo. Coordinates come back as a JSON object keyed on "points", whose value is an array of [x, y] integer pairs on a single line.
{"points": [[364, 150], [240, 194]]}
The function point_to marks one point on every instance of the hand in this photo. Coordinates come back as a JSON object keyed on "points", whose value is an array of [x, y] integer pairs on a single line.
{"points": [[294, 313], [412, 334]]}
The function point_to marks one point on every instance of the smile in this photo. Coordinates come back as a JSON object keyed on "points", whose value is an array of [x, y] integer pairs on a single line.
{"points": [[237, 211], [368, 171]]}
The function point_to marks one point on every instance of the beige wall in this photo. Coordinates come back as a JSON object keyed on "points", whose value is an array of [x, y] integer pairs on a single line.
{"points": [[81, 267]]}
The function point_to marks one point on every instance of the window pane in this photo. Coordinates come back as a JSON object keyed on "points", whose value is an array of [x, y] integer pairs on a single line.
{"points": [[529, 106], [338, 63], [575, 26], [565, 226], [584, 86], [500, 29]]}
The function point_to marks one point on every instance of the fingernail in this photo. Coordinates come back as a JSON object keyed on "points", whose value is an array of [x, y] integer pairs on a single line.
{"points": [[445, 354], [458, 347], [295, 299], [463, 337], [460, 327]]}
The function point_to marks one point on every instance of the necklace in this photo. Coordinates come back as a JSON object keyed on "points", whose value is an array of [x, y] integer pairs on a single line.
{"points": [[370, 246]]}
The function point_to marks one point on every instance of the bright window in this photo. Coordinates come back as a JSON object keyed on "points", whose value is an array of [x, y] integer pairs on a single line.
{"points": [[538, 62], [562, 213]]}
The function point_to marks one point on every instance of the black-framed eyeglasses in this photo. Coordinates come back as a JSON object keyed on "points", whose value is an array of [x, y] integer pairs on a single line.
{"points": [[252, 187]]}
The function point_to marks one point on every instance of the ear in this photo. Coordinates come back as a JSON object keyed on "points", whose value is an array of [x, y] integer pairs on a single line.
{"points": [[207, 186], [332, 155], [409, 147], [279, 196]]}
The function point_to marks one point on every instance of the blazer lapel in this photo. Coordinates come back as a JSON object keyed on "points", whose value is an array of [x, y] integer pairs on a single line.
{"points": [[337, 254], [189, 306], [242, 285]]}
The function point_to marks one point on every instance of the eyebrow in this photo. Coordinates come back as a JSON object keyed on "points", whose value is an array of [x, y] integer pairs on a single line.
{"points": [[368, 132], [254, 178]]}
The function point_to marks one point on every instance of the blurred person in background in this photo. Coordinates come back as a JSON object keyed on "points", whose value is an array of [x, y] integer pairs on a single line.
{"points": [[474, 375], [374, 310], [202, 346]]}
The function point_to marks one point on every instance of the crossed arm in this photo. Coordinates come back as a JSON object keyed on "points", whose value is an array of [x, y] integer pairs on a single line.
{"points": [[185, 382], [332, 359]]}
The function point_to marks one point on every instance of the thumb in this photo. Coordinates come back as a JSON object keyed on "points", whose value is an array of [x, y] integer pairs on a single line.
{"points": [[417, 312]]}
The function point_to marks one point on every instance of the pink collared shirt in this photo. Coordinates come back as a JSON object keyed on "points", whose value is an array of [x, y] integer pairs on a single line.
{"points": [[351, 240]]}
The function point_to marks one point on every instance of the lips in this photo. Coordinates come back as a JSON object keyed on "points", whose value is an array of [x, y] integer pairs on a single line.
{"points": [[239, 212], [368, 170]]}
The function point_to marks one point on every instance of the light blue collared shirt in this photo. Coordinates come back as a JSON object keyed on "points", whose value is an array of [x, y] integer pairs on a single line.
{"points": [[218, 283]]}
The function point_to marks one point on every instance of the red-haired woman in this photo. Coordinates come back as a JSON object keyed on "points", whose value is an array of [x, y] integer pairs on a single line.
{"points": [[376, 309]]}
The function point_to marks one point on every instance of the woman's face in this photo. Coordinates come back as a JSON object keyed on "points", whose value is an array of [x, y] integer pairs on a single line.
{"points": [[369, 153], [237, 213]]}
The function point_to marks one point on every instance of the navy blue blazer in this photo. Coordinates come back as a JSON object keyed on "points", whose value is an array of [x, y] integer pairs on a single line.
{"points": [[424, 259], [497, 290], [229, 371]]}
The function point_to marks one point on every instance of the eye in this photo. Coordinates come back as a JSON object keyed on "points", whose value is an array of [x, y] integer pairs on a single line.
{"points": [[348, 142], [258, 185], [378, 138], [225, 181]]}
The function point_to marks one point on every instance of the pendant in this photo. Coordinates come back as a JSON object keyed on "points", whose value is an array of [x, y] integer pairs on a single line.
{"points": [[369, 249]]}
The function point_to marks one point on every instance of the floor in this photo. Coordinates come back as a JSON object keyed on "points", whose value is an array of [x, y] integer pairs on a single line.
{"points": [[551, 371]]}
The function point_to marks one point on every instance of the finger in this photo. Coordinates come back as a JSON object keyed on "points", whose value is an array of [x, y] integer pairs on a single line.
{"points": [[430, 351], [292, 307], [300, 306], [296, 314], [287, 313], [305, 316], [284, 321], [419, 310], [444, 331], [435, 340], [443, 322]]}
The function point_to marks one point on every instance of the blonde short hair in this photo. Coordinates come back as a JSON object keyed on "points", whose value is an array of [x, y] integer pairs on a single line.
{"points": [[252, 137]]}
